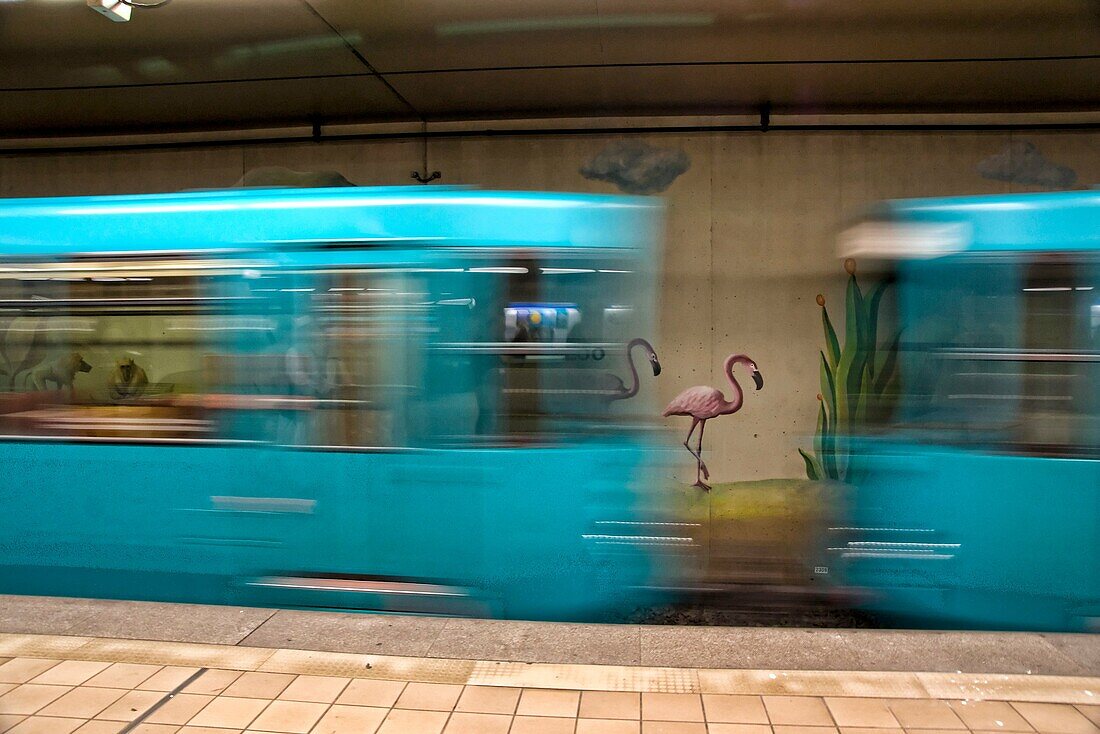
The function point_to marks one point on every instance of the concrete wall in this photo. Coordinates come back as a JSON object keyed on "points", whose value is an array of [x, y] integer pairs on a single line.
{"points": [[751, 234]]}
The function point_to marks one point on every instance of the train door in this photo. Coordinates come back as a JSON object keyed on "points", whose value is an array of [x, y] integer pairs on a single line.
{"points": [[392, 519]]}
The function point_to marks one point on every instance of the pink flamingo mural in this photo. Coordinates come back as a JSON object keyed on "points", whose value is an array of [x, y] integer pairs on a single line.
{"points": [[703, 402]]}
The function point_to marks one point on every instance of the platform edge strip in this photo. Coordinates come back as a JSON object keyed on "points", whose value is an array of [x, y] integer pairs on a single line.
{"points": [[645, 679]]}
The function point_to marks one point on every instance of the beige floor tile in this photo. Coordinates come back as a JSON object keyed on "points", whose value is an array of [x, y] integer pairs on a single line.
{"points": [[213, 682], [105, 727], [924, 714], [429, 696], [992, 715], [21, 670], [1049, 718], [867, 730], [732, 709], [132, 705], [180, 709], [207, 730], [672, 707], [30, 697], [294, 717], [70, 672], [362, 692], [713, 728], [146, 728], [862, 712], [469, 723], [672, 727], [123, 675], [1092, 713], [488, 700], [408, 721], [611, 705], [259, 685], [5, 687], [7, 721], [547, 702], [926, 731], [45, 725], [806, 729], [229, 712], [797, 711], [167, 678], [350, 720], [542, 725], [83, 703], [315, 688], [608, 726]]}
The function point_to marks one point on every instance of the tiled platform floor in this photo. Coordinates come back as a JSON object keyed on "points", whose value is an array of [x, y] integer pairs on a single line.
{"points": [[257, 690]]}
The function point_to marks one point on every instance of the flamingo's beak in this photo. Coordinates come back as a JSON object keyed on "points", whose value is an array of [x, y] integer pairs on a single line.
{"points": [[656, 366], [758, 379]]}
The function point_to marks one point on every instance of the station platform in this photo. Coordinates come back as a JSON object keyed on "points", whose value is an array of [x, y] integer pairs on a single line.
{"points": [[111, 667]]}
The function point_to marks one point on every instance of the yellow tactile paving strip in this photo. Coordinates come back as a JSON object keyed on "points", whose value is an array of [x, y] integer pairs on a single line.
{"points": [[59, 685]]}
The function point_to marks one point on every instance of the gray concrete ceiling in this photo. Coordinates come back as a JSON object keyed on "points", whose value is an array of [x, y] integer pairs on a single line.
{"points": [[200, 64]]}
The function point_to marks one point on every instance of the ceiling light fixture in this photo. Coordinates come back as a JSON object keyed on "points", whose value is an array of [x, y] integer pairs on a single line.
{"points": [[119, 10]]}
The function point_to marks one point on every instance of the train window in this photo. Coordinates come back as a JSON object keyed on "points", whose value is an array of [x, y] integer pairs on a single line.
{"points": [[1060, 360], [1002, 353], [357, 353], [562, 370], [110, 350]]}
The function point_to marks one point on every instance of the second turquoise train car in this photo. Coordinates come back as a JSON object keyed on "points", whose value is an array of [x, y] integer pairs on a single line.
{"points": [[978, 496]]}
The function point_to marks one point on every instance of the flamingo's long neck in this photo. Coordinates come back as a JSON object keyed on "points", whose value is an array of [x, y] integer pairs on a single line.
{"points": [[732, 406], [633, 370]]}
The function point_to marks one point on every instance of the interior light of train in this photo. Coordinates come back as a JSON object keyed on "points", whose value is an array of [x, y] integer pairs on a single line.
{"points": [[903, 240], [296, 290], [1051, 289], [1083, 288], [502, 271], [566, 271], [345, 289], [604, 270]]}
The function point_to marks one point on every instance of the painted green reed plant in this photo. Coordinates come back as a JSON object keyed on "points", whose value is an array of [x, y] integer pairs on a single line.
{"points": [[856, 379]]}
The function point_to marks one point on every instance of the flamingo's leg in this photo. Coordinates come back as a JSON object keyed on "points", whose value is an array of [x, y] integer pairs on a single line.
{"points": [[699, 450], [700, 467], [687, 441]]}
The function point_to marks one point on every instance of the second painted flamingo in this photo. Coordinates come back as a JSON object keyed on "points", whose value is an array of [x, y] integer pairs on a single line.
{"points": [[621, 391], [703, 402]]}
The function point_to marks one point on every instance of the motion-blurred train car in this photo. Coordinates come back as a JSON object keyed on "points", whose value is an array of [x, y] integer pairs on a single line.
{"points": [[978, 496], [404, 399]]}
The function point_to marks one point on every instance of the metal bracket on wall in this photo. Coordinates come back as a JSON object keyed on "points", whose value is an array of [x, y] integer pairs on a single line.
{"points": [[765, 116], [417, 176]]}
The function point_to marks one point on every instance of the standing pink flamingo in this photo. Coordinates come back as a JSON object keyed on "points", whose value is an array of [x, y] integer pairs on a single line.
{"points": [[703, 402]]}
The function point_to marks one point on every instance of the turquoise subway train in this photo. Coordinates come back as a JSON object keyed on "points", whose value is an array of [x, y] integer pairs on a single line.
{"points": [[428, 400], [977, 492]]}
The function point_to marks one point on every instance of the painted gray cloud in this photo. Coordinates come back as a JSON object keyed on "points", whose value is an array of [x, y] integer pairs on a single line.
{"points": [[637, 167], [1022, 163]]}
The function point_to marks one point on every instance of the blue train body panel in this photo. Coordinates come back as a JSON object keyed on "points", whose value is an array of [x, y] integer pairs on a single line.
{"points": [[284, 218], [1041, 222]]}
